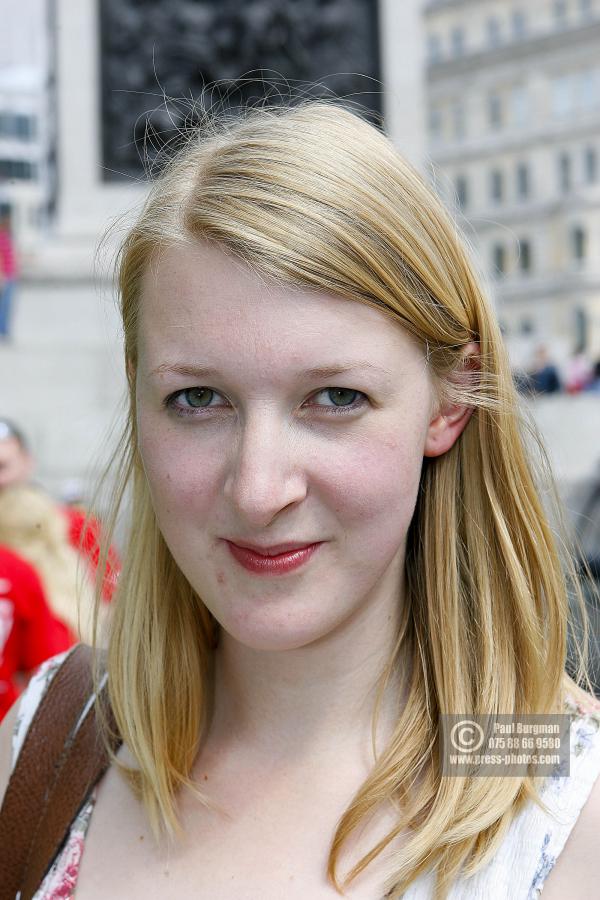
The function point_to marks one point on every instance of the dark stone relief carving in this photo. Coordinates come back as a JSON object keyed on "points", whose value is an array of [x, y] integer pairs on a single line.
{"points": [[154, 51]]}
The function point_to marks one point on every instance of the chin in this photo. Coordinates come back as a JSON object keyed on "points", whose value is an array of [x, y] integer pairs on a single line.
{"points": [[272, 636]]}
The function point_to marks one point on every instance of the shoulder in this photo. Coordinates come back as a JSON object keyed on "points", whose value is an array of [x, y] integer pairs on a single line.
{"points": [[577, 862]]}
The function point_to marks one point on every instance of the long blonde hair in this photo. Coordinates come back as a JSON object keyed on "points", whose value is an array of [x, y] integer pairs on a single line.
{"points": [[313, 196], [33, 525]]}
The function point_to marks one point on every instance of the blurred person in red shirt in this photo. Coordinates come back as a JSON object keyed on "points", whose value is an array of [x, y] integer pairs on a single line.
{"points": [[32, 525], [29, 633], [85, 532], [8, 274]]}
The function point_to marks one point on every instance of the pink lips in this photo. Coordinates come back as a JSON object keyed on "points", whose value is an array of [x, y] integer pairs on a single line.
{"points": [[272, 565]]}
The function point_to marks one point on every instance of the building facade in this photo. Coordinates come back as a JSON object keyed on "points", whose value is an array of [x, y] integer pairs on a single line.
{"points": [[26, 120], [513, 106]]}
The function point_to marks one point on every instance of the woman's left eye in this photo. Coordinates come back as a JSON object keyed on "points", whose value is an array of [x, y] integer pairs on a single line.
{"points": [[190, 400], [341, 394]]}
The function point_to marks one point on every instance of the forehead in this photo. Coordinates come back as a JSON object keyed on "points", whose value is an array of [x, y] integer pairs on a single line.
{"points": [[199, 296]]}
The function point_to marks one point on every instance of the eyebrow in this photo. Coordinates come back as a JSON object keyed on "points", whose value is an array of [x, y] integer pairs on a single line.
{"points": [[201, 372]]}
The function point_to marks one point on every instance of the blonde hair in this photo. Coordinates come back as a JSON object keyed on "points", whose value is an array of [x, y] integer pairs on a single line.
{"points": [[33, 525], [313, 196]]}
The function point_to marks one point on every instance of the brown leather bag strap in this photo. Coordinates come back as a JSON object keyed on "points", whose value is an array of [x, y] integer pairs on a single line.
{"points": [[35, 815], [84, 762], [35, 769]]}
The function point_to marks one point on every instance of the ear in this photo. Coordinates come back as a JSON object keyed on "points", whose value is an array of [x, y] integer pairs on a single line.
{"points": [[451, 419]]}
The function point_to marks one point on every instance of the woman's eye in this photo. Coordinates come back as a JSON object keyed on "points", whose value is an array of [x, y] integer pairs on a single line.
{"points": [[185, 402], [340, 397], [188, 401]]}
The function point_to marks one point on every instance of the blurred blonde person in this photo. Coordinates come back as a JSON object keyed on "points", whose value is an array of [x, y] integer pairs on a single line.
{"points": [[32, 524]]}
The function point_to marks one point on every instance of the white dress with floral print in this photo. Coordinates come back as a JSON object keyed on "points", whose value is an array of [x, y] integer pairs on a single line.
{"points": [[517, 871]]}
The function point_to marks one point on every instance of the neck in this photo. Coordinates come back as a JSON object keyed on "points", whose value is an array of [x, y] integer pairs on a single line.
{"points": [[316, 700]]}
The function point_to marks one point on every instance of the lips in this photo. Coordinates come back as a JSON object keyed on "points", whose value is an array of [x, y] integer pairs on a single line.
{"points": [[274, 549], [273, 564]]}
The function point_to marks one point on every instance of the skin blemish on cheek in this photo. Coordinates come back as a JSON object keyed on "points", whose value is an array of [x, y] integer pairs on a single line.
{"points": [[220, 578]]}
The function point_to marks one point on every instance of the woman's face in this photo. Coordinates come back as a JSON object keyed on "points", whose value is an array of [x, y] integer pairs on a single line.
{"points": [[260, 451]]}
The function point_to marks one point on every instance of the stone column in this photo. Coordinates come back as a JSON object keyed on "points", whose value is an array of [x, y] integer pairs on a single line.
{"points": [[402, 42]]}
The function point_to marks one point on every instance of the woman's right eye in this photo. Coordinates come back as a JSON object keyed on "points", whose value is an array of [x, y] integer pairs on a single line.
{"points": [[187, 401]]}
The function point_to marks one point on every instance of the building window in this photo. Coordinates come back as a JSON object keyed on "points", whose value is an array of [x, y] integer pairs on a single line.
{"points": [[519, 24], [526, 327], [24, 127], [494, 35], [520, 106], [562, 96], [590, 164], [560, 13], [462, 192], [457, 41], [564, 172], [523, 181], [582, 329], [18, 169], [495, 110], [435, 123], [496, 186], [578, 243], [434, 48], [524, 249], [17, 126], [586, 10], [459, 120], [498, 260], [588, 89]]}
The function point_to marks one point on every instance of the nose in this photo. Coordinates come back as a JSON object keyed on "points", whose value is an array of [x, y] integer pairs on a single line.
{"points": [[265, 472]]}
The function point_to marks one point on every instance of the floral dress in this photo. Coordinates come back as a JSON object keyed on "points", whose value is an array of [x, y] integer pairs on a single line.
{"points": [[518, 871]]}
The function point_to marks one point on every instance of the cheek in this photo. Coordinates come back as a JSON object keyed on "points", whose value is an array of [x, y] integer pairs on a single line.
{"points": [[374, 485], [179, 477]]}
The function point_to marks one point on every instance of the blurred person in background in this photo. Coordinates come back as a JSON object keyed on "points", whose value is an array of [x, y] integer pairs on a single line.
{"points": [[84, 532], [578, 373], [16, 462], [594, 384], [29, 633], [543, 377], [522, 380], [34, 526], [8, 274]]}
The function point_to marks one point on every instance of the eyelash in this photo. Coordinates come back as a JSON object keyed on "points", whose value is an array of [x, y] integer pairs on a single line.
{"points": [[171, 402]]}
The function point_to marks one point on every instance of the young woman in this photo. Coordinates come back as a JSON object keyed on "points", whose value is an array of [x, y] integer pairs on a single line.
{"points": [[336, 539]]}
